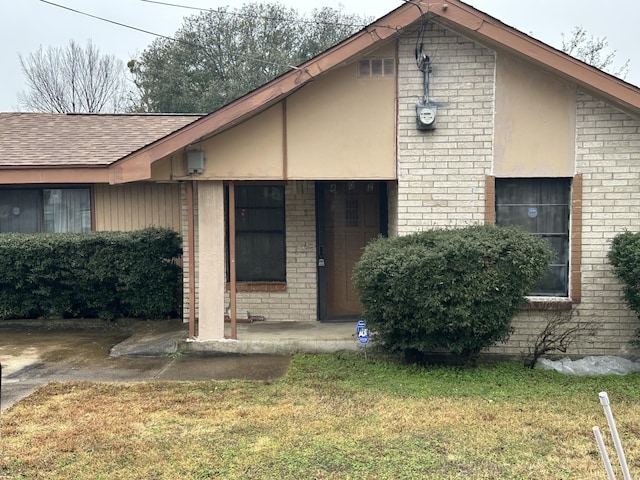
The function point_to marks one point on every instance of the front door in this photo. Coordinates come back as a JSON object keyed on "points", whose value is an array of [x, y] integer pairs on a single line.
{"points": [[350, 217]]}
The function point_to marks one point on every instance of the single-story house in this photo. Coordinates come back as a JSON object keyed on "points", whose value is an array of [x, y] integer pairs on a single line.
{"points": [[435, 115]]}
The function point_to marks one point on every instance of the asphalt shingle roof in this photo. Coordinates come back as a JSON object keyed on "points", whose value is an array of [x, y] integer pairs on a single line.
{"points": [[57, 139]]}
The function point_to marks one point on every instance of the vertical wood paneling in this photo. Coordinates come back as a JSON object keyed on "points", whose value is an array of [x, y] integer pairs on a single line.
{"points": [[148, 205], [135, 206], [128, 211], [117, 214], [157, 216], [97, 206]]}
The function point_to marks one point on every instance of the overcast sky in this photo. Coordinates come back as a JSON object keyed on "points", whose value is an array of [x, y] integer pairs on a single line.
{"points": [[27, 24]]}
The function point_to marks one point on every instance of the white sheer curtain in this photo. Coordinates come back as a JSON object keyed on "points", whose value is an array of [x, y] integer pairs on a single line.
{"points": [[67, 210]]}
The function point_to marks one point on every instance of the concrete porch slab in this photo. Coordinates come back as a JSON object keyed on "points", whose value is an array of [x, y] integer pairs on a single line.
{"points": [[282, 338]]}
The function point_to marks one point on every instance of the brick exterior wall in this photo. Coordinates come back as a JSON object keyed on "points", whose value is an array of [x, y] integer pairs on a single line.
{"points": [[608, 156], [441, 172], [608, 163], [442, 180]]}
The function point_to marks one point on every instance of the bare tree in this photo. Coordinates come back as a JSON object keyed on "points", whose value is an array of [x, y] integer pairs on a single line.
{"points": [[592, 50], [73, 80]]}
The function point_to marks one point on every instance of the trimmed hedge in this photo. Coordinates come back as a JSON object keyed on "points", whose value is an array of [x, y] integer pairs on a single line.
{"points": [[98, 274], [624, 255], [455, 289]]}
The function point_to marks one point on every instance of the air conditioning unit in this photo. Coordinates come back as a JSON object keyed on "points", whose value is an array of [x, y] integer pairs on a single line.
{"points": [[195, 161]]}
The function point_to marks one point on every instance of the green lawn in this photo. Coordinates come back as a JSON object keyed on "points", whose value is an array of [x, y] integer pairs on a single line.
{"points": [[333, 417]]}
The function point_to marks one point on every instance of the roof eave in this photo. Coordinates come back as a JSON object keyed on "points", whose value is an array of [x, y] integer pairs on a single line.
{"points": [[261, 98], [494, 34], [59, 174], [456, 15]]}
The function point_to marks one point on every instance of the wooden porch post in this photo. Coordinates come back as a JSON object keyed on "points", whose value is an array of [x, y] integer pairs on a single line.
{"points": [[232, 260], [192, 261]]}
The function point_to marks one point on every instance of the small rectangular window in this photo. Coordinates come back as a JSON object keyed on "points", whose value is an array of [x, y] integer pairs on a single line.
{"points": [[540, 206], [364, 68], [376, 67], [389, 66]]}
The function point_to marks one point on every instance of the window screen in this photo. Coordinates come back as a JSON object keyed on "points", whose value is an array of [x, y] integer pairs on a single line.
{"points": [[260, 233], [540, 206]]}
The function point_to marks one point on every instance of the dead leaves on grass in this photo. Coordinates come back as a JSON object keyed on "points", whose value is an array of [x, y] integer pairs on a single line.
{"points": [[280, 430]]}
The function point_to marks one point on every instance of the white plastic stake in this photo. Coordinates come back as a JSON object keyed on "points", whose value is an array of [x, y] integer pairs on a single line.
{"points": [[603, 453], [604, 401]]}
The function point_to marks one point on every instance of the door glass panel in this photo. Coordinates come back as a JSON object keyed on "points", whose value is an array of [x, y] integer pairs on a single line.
{"points": [[351, 212]]}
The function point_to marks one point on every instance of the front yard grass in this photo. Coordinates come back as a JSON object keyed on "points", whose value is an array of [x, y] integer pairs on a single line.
{"points": [[331, 417]]}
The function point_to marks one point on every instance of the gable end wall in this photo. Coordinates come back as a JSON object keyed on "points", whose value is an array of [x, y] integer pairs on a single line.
{"points": [[441, 178]]}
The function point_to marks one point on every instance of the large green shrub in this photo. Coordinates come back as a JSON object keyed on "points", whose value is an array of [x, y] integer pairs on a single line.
{"points": [[454, 289], [98, 274], [625, 258]]}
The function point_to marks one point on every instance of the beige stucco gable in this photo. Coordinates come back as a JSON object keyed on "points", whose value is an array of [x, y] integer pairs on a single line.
{"points": [[535, 122], [458, 16], [341, 126]]}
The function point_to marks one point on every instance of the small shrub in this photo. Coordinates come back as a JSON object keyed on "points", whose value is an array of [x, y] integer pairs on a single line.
{"points": [[454, 289]]}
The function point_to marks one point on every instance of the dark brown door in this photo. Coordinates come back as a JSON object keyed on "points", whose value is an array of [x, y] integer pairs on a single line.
{"points": [[351, 212]]}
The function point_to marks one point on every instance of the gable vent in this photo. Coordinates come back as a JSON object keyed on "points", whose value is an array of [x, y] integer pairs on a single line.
{"points": [[376, 67]]}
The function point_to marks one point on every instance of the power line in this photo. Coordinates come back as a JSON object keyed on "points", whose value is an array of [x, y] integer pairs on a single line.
{"points": [[224, 11], [185, 42], [166, 37], [109, 21]]}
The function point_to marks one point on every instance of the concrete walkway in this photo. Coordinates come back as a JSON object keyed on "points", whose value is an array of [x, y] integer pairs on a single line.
{"points": [[35, 353]]}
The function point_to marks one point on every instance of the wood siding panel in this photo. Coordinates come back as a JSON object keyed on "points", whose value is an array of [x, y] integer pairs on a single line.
{"points": [[134, 206]]}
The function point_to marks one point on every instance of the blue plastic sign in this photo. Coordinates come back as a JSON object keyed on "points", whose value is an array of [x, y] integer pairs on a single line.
{"points": [[362, 332]]}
